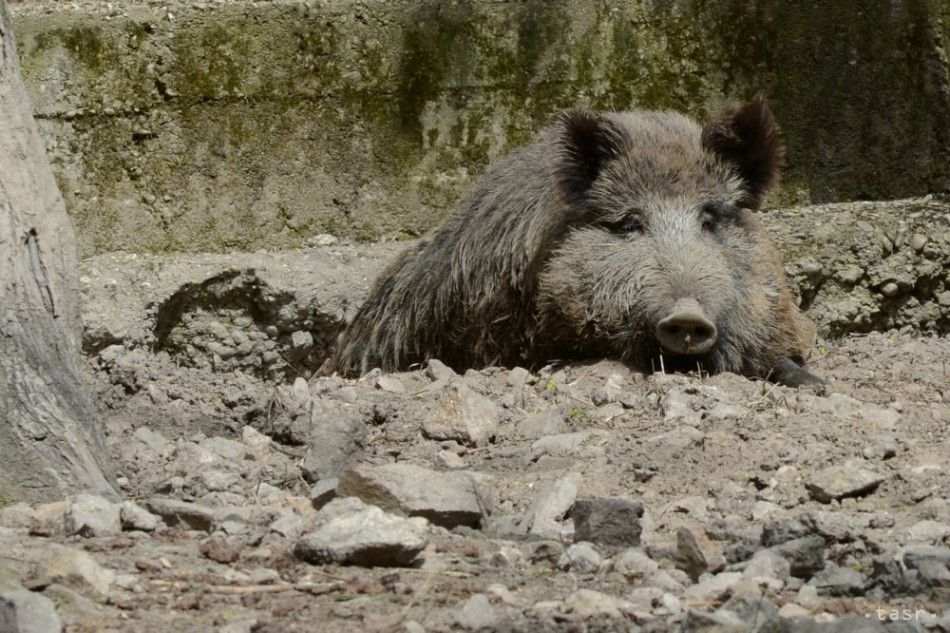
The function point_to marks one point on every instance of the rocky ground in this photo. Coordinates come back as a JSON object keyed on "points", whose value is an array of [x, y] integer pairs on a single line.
{"points": [[585, 497]]}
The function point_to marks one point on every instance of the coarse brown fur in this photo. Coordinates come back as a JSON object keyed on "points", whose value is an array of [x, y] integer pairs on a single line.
{"points": [[576, 245]]}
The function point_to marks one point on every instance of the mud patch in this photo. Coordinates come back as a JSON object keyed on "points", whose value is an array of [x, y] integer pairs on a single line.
{"points": [[234, 321]]}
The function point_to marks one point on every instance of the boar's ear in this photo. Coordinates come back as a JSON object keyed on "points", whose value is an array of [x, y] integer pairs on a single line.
{"points": [[588, 141], [747, 137]]}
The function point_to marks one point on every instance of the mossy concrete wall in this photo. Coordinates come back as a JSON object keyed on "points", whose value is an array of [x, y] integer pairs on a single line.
{"points": [[244, 125]]}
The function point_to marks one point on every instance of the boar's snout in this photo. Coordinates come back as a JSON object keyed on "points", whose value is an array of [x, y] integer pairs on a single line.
{"points": [[686, 329]]}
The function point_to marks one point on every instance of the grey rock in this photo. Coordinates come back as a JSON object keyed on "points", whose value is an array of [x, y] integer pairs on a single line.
{"points": [[610, 392], [694, 506], [851, 479], [713, 587], [551, 505], [835, 580], [336, 436], [445, 498], [337, 508], [289, 524], [232, 525], [928, 532], [506, 556], [671, 603], [153, 442], [462, 415], [582, 558], [72, 604], [762, 510], [767, 563], [323, 491], [257, 442], [587, 604], [135, 517], [668, 580], [784, 530], [546, 610], [264, 494], [805, 556], [748, 604], [579, 444], [500, 525], [518, 376], [718, 620], [23, 611], [182, 513], [918, 241], [880, 450], [548, 421], [322, 239], [243, 625], [834, 526], [347, 393], [821, 623], [229, 451], [367, 537], [477, 614], [807, 596], [76, 570], [264, 576], [294, 398], [301, 340], [678, 406], [49, 517], [696, 553], [192, 458], [644, 598], [222, 548], [932, 565], [90, 515], [439, 371], [634, 564], [605, 413], [450, 460], [881, 520], [791, 610], [390, 383], [544, 551], [608, 521], [217, 480], [17, 515]]}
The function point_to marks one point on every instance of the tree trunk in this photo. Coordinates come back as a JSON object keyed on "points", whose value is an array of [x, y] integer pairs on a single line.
{"points": [[50, 440]]}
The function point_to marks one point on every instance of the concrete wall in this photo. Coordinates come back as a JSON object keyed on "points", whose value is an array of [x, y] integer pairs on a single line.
{"points": [[242, 125]]}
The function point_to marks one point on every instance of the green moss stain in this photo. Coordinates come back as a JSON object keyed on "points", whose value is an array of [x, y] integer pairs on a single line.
{"points": [[541, 29], [215, 63], [86, 45], [438, 46], [268, 122]]}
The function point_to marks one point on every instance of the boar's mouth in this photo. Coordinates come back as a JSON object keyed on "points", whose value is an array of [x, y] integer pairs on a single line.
{"points": [[650, 356], [665, 362]]}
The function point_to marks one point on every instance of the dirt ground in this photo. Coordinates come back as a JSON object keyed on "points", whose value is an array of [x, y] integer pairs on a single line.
{"points": [[258, 497], [854, 482]]}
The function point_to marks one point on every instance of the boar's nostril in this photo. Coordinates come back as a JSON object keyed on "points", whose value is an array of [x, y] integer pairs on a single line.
{"points": [[686, 330]]}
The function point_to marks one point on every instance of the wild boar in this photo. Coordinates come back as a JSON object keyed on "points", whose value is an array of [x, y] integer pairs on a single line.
{"points": [[628, 235]]}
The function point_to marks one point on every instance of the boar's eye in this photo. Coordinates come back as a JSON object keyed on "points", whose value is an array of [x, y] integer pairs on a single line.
{"points": [[630, 223], [712, 215]]}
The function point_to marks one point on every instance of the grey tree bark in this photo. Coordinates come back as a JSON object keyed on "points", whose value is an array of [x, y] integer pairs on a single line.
{"points": [[50, 440]]}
